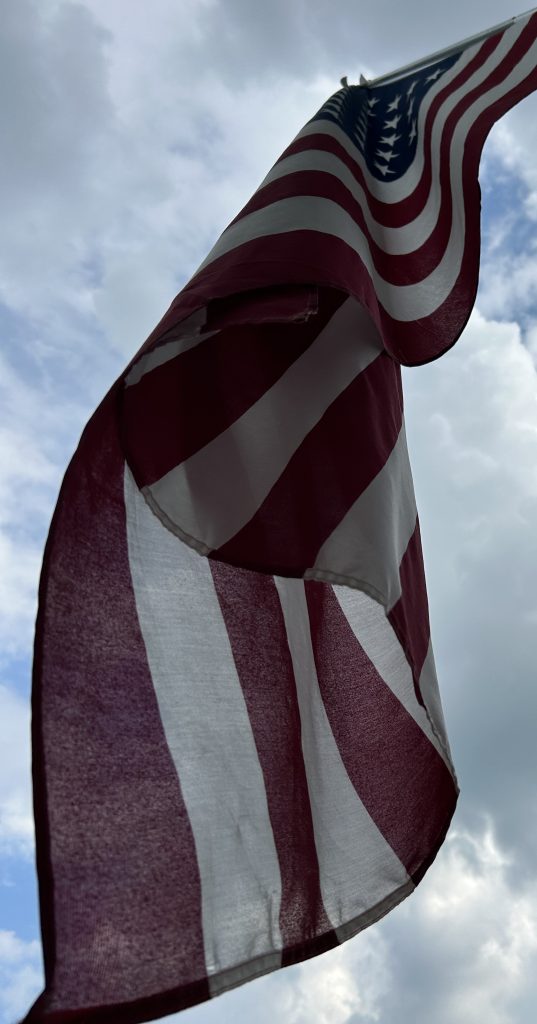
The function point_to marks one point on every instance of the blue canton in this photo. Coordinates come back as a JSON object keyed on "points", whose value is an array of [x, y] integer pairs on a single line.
{"points": [[382, 120]]}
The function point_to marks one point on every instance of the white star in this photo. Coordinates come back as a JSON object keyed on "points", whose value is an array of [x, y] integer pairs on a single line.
{"points": [[435, 75], [394, 104], [393, 123], [389, 140], [413, 131], [410, 109], [384, 169], [386, 154], [412, 87], [371, 102]]}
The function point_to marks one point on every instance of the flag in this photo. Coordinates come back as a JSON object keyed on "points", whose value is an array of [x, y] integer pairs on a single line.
{"points": [[239, 753]]}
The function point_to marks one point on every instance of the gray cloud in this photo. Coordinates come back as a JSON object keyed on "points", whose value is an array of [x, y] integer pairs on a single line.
{"points": [[245, 43], [55, 113]]}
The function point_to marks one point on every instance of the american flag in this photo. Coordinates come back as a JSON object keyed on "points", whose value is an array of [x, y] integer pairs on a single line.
{"points": [[240, 758]]}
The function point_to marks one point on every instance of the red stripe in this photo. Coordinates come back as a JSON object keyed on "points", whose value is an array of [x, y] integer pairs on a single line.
{"points": [[406, 269], [256, 629], [179, 407], [118, 868], [328, 472], [399, 776], [410, 616]]}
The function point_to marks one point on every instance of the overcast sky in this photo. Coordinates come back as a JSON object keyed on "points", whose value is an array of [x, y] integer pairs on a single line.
{"points": [[132, 132]]}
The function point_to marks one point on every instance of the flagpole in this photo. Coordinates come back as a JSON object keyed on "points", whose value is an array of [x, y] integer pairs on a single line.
{"points": [[446, 52]]}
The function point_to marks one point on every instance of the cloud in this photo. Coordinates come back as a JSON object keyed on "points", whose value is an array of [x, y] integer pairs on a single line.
{"points": [[21, 976], [38, 429], [345, 986], [472, 425], [16, 819], [461, 948], [107, 161], [246, 43], [513, 142], [56, 115], [220, 147]]}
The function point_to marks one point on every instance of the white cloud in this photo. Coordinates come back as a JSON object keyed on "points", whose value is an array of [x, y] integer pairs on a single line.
{"points": [[247, 42], [16, 819], [513, 141], [509, 278], [472, 425], [348, 983], [19, 572], [109, 154], [55, 113], [462, 947], [531, 340], [33, 446], [21, 976]]}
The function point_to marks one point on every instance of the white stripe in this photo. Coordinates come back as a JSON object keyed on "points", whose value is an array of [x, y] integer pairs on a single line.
{"points": [[218, 489], [403, 302], [210, 739], [373, 631], [357, 867], [368, 544]]}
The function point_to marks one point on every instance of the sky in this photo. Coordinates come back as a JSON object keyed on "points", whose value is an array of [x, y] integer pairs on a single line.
{"points": [[133, 132]]}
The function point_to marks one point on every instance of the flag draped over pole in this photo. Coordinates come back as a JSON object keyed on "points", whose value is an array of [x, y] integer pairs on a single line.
{"points": [[239, 753]]}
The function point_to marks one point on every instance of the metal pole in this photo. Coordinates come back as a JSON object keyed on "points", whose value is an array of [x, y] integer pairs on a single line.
{"points": [[407, 68]]}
